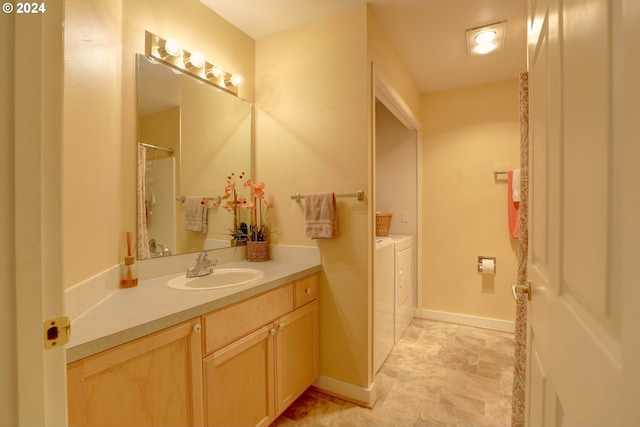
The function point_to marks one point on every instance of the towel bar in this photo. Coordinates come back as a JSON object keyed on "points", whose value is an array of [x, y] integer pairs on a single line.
{"points": [[358, 195], [211, 199]]}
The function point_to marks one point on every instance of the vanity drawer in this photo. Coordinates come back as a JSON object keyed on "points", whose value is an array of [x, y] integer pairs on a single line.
{"points": [[306, 290], [230, 323]]}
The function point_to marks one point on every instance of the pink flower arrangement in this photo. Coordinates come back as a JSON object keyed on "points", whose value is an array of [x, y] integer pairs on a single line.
{"points": [[256, 204]]}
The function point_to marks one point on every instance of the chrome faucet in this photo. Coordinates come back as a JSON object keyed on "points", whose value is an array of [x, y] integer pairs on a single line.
{"points": [[204, 266], [158, 249]]}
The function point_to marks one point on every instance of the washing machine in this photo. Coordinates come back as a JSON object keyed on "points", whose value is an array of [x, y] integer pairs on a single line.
{"points": [[404, 284], [384, 300]]}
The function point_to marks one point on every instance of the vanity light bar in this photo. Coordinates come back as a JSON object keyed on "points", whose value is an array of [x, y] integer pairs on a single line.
{"points": [[169, 52]]}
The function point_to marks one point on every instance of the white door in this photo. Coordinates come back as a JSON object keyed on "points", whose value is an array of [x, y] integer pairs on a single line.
{"points": [[583, 318], [35, 393]]}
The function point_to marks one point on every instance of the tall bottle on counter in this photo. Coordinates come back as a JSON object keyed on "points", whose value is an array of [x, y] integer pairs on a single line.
{"points": [[129, 271]]}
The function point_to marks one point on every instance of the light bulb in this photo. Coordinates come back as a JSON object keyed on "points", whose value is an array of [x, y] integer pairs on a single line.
{"points": [[172, 47], [484, 48], [485, 37], [236, 79], [217, 72], [197, 59]]}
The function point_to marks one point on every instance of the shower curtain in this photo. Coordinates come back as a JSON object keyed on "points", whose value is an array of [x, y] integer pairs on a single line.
{"points": [[142, 233], [519, 371]]}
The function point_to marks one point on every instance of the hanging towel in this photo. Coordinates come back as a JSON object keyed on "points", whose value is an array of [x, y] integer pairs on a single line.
{"points": [[513, 208], [321, 217], [515, 185], [195, 214]]}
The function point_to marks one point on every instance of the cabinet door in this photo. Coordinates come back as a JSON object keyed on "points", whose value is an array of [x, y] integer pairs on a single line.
{"points": [[152, 381], [296, 354], [239, 382]]}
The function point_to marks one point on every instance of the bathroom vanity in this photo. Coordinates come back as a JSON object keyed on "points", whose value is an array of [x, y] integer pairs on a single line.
{"points": [[241, 363]]}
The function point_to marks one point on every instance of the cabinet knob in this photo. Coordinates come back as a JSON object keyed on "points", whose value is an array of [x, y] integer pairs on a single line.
{"points": [[197, 328], [309, 291], [281, 326], [273, 331]]}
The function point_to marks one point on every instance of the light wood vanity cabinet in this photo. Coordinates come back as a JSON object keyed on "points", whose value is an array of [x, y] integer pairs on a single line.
{"points": [[251, 380], [152, 381], [249, 362]]}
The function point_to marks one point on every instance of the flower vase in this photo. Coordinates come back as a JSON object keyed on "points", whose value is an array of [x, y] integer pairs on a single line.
{"points": [[258, 251]]}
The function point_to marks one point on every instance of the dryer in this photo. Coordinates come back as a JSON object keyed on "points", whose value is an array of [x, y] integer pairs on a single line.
{"points": [[404, 284], [384, 301]]}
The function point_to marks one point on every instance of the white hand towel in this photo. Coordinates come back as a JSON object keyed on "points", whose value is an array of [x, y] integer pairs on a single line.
{"points": [[515, 185], [195, 214], [321, 216]]}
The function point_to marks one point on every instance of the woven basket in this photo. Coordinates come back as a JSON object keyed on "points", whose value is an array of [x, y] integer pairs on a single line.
{"points": [[383, 222], [258, 251]]}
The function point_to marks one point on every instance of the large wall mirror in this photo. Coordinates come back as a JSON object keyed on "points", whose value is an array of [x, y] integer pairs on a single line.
{"points": [[191, 136]]}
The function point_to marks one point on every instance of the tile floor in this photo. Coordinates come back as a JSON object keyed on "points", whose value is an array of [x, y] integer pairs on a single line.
{"points": [[439, 374]]}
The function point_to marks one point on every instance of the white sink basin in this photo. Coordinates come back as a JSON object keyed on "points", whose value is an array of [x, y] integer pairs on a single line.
{"points": [[219, 279]]}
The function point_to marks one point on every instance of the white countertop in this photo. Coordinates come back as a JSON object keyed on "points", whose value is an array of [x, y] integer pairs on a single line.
{"points": [[131, 313]]}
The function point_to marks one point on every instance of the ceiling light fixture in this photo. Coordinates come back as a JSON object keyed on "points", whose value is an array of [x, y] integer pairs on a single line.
{"points": [[486, 39], [484, 48], [169, 52]]}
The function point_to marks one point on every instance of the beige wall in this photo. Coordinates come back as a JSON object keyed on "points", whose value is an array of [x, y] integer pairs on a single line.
{"points": [[313, 134], [92, 153], [387, 61], [163, 129], [312, 120], [467, 134], [216, 141], [101, 40]]}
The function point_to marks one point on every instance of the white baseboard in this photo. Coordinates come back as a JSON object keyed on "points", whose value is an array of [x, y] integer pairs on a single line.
{"points": [[464, 319], [350, 392]]}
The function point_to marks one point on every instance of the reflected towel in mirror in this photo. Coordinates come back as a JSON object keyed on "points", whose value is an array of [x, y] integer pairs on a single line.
{"points": [[195, 214]]}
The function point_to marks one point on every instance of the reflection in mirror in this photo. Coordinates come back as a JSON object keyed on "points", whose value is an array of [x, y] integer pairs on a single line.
{"points": [[209, 133]]}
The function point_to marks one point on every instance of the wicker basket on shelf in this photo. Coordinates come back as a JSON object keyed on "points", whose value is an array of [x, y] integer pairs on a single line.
{"points": [[383, 222]]}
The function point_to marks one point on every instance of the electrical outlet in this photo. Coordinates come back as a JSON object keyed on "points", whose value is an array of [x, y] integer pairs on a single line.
{"points": [[404, 217]]}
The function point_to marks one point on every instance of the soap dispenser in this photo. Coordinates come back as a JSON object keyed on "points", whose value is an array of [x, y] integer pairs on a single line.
{"points": [[129, 271]]}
